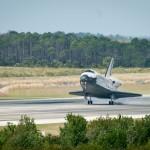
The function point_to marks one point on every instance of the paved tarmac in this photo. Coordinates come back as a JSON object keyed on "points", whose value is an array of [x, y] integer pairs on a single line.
{"points": [[55, 110]]}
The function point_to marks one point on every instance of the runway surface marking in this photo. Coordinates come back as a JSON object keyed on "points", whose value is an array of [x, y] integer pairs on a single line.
{"points": [[54, 110]]}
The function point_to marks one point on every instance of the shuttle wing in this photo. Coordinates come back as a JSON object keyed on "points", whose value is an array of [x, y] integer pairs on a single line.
{"points": [[117, 94], [120, 94], [79, 93]]}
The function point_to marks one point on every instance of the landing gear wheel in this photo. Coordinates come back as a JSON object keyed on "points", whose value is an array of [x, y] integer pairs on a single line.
{"points": [[111, 102], [90, 102]]}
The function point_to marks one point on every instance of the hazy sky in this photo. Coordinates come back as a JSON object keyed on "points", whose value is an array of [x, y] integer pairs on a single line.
{"points": [[125, 17]]}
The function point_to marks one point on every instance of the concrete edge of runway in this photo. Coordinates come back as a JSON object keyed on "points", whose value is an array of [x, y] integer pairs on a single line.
{"points": [[35, 99], [62, 120]]}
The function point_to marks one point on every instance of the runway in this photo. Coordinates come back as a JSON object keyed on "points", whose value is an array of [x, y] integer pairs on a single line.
{"points": [[55, 110]]}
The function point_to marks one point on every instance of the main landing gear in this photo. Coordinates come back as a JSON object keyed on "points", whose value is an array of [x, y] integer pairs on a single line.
{"points": [[111, 102], [112, 98], [89, 101]]}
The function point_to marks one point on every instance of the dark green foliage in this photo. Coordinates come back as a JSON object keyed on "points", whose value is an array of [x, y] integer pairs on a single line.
{"points": [[140, 147], [103, 134], [89, 147], [52, 139], [74, 131], [109, 133], [51, 143], [47, 146], [24, 136], [139, 132], [71, 50], [6, 133], [121, 133]]}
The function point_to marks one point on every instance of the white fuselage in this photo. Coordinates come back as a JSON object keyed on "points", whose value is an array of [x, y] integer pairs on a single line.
{"points": [[106, 82]]}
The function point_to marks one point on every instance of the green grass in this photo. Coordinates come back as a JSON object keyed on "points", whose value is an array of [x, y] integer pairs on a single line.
{"points": [[49, 92], [59, 86], [35, 72], [137, 88], [46, 71], [63, 92]]}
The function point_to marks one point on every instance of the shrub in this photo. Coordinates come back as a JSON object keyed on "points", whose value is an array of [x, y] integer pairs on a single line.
{"points": [[109, 133], [50, 139], [6, 133], [48, 146], [140, 147], [25, 136], [139, 132], [74, 131], [88, 147]]}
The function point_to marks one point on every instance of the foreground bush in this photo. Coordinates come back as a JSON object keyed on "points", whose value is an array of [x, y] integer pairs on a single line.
{"points": [[88, 147], [139, 132], [140, 147], [109, 133], [74, 131], [119, 133], [6, 133], [102, 134], [23, 136]]}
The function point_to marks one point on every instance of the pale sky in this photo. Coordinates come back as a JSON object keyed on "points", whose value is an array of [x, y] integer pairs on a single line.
{"points": [[124, 17]]}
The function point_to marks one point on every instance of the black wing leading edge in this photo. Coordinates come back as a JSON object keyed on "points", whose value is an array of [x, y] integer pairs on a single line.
{"points": [[119, 94], [79, 93]]}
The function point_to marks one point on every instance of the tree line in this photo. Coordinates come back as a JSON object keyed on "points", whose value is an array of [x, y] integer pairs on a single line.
{"points": [[71, 50], [120, 133]]}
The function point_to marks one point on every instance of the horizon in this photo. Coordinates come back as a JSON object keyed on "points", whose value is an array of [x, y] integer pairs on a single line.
{"points": [[95, 34]]}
